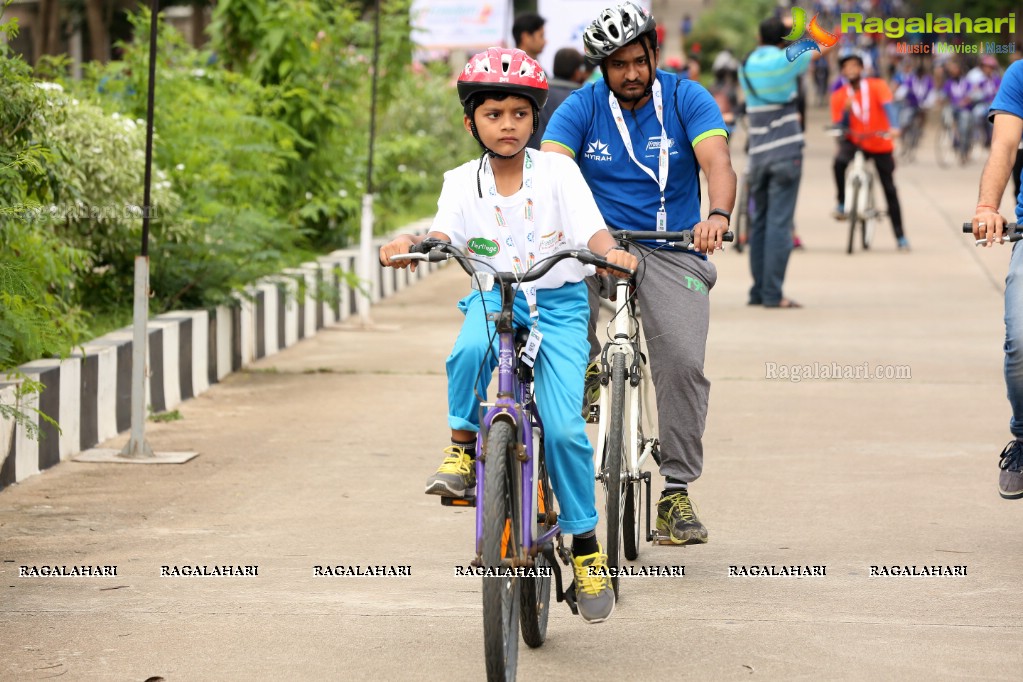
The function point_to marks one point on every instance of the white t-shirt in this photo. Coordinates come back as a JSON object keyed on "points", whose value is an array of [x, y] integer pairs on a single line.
{"points": [[553, 211]]}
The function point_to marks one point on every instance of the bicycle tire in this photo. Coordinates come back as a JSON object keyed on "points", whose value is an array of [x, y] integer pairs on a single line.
{"points": [[869, 216], [854, 213], [536, 591], [614, 452], [631, 527], [500, 595]]}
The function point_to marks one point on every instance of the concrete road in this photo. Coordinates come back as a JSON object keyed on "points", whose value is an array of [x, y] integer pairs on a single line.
{"points": [[317, 456]]}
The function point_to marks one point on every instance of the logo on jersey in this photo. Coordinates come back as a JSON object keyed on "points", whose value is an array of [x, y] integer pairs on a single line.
{"points": [[597, 151], [483, 247], [654, 144]]}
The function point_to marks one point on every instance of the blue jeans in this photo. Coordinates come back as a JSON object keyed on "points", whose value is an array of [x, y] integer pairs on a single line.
{"points": [[1014, 339], [558, 382], [773, 187]]}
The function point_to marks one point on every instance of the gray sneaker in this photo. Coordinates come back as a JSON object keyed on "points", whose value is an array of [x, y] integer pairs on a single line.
{"points": [[593, 592], [1010, 480], [456, 475], [677, 519]]}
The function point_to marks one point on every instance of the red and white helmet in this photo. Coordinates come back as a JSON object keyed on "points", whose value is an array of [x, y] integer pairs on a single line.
{"points": [[503, 70]]}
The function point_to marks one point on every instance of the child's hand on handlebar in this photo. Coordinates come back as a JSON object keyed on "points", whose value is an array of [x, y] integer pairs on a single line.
{"points": [[618, 256], [399, 245]]}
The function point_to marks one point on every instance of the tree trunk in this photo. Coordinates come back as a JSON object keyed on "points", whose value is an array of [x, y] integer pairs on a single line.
{"points": [[99, 38], [198, 24], [40, 28], [54, 30]]}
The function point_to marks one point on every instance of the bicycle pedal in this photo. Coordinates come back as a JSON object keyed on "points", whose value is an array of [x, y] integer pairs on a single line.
{"points": [[468, 501], [658, 538]]}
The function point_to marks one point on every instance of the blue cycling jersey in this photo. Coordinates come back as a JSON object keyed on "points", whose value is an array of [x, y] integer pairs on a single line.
{"points": [[628, 198]]}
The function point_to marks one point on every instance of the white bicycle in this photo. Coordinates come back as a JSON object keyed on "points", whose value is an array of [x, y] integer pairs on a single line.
{"points": [[860, 194], [627, 429]]}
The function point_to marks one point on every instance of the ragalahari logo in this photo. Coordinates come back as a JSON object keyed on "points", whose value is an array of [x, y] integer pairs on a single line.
{"points": [[816, 39]]}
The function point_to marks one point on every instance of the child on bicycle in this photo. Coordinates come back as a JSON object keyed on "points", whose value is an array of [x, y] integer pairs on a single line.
{"points": [[509, 210]]}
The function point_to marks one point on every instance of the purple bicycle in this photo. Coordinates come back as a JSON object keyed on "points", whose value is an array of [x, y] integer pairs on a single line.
{"points": [[517, 532]]}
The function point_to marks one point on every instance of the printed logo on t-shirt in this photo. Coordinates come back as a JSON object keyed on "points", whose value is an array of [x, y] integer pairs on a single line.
{"points": [[483, 247], [550, 241], [597, 151]]}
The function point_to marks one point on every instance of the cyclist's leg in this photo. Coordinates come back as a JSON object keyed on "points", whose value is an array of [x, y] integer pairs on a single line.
{"points": [[844, 156], [558, 375], [782, 191], [594, 288], [472, 348], [1014, 339], [758, 180], [964, 126], [676, 316], [456, 475], [885, 164]]}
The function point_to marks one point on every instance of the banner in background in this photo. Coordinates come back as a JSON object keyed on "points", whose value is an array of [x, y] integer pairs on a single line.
{"points": [[565, 22], [458, 24]]}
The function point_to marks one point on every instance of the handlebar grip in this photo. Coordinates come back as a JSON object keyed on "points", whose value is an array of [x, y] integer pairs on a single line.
{"points": [[967, 228]]}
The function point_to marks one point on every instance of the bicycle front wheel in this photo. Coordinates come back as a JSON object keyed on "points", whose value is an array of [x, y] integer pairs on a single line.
{"points": [[852, 199], [536, 590], [870, 215], [500, 539], [614, 463]]}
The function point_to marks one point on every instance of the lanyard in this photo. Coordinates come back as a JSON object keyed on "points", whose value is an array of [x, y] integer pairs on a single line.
{"points": [[515, 252], [662, 158], [861, 109]]}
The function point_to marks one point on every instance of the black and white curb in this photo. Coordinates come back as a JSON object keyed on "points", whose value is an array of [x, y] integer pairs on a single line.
{"points": [[89, 393]]}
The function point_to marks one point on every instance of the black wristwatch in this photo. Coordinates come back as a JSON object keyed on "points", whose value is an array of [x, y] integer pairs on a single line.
{"points": [[721, 211]]}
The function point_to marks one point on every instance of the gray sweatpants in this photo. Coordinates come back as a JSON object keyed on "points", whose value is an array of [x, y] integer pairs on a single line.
{"points": [[675, 306]]}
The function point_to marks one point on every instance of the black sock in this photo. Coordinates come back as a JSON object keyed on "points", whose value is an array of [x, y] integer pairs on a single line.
{"points": [[673, 485], [469, 446], [585, 543]]}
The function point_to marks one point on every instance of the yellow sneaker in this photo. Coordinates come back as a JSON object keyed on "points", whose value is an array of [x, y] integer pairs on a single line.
{"points": [[593, 592], [455, 476]]}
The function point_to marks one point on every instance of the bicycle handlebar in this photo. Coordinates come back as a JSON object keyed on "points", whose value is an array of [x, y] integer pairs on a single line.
{"points": [[1010, 234], [684, 237], [435, 250]]}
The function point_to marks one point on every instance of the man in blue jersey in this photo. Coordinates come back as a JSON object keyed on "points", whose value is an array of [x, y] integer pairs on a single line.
{"points": [[640, 137], [1007, 115]]}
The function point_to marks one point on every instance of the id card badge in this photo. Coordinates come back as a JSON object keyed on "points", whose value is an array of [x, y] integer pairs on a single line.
{"points": [[532, 346], [662, 220]]}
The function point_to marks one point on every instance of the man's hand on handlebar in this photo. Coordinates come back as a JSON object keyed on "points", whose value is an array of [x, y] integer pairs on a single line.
{"points": [[707, 234], [988, 225]]}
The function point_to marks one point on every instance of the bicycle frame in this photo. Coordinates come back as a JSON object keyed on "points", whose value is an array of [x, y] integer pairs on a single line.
{"points": [[514, 404]]}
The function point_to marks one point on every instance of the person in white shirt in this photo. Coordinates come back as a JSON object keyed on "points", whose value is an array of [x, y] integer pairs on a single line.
{"points": [[512, 208]]}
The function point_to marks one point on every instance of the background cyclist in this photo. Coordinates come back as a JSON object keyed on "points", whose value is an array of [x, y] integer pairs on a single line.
{"points": [[864, 107]]}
